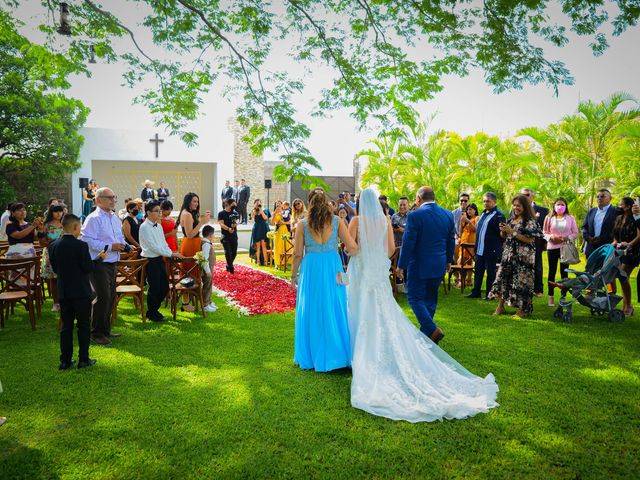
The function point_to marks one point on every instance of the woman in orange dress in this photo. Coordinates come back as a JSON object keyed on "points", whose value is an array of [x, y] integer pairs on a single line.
{"points": [[468, 226], [191, 222]]}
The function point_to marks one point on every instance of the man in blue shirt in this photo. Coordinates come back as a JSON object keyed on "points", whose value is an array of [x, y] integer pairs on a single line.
{"points": [[597, 229]]}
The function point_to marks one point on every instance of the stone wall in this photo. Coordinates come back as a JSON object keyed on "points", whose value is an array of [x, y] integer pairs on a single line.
{"points": [[279, 190], [245, 164]]}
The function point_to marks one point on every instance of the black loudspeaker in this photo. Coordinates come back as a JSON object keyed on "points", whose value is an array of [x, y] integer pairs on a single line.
{"points": [[267, 183], [83, 182]]}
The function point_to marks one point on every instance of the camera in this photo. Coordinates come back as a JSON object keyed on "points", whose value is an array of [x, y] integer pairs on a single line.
{"points": [[127, 248], [341, 196]]}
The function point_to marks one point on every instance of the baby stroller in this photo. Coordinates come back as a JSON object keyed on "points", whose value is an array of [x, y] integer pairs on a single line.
{"points": [[589, 288]]}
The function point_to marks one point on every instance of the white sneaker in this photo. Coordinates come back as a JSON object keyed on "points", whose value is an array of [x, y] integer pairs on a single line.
{"points": [[551, 301], [210, 308]]}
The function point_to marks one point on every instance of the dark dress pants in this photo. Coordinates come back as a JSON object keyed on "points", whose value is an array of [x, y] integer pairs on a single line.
{"points": [[230, 245], [156, 272], [484, 263], [103, 281], [243, 212], [75, 309], [422, 295], [538, 286]]}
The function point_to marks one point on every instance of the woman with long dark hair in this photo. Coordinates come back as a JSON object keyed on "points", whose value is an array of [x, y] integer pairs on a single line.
{"points": [[191, 222], [515, 278], [322, 339], [20, 233], [626, 234], [131, 225], [53, 231]]}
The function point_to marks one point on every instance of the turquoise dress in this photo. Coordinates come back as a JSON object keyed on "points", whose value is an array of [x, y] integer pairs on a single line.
{"points": [[322, 338]]}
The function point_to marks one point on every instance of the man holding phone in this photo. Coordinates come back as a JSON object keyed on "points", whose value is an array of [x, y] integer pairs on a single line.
{"points": [[102, 231]]}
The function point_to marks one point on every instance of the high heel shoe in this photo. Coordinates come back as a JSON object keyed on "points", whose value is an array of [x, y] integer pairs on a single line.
{"points": [[629, 312]]}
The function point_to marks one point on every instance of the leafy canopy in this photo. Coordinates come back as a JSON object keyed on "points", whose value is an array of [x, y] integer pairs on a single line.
{"points": [[386, 55]]}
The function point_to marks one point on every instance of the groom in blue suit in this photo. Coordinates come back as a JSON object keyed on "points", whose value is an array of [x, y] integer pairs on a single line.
{"points": [[426, 255]]}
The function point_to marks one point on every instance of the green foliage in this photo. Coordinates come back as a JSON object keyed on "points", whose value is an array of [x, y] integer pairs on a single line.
{"points": [[385, 55], [598, 146], [220, 398], [39, 139]]}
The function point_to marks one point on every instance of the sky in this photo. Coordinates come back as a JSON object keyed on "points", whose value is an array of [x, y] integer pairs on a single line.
{"points": [[466, 105]]}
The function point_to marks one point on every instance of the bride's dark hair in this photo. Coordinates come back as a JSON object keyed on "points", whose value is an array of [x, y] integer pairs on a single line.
{"points": [[320, 213]]}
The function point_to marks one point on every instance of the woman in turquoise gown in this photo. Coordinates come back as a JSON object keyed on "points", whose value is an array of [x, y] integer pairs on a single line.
{"points": [[322, 341]]}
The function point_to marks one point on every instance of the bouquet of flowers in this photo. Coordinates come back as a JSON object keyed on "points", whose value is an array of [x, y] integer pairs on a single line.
{"points": [[200, 260]]}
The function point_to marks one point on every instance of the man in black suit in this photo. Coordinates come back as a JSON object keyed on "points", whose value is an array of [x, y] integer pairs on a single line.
{"points": [[540, 243], [488, 246], [597, 229], [163, 193], [244, 192], [72, 264], [227, 191]]}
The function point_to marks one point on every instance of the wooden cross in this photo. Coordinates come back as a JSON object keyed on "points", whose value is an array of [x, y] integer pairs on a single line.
{"points": [[156, 141]]}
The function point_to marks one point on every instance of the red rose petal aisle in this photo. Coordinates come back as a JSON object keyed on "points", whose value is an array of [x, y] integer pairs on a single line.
{"points": [[253, 291]]}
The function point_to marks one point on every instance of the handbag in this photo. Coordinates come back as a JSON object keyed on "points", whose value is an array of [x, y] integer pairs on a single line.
{"points": [[188, 282], [569, 253]]}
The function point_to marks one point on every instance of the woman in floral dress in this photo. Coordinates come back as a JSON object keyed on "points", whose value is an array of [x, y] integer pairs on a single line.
{"points": [[514, 282]]}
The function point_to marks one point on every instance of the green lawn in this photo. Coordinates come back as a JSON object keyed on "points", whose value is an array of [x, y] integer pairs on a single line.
{"points": [[221, 398]]}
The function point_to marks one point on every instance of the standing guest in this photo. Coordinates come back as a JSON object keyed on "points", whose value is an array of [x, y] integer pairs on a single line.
{"points": [[236, 187], [345, 200], [131, 225], [597, 228], [53, 230], [281, 229], [488, 246], [20, 233], [154, 249], [190, 220], [169, 225], [4, 221], [468, 228], [103, 232], [457, 215], [342, 215], [162, 193], [334, 207], [88, 198], [227, 191], [299, 212], [515, 281], [385, 199], [344, 258], [228, 220], [243, 199], [72, 264], [626, 235], [399, 220], [559, 228], [210, 256], [540, 243], [148, 193], [322, 340], [259, 240], [123, 211], [426, 256], [636, 216]]}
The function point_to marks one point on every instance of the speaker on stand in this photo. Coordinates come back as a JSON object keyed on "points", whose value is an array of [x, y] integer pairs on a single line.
{"points": [[267, 187]]}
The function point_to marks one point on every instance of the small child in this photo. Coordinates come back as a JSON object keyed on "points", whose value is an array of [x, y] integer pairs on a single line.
{"points": [[286, 215], [71, 262], [210, 255]]}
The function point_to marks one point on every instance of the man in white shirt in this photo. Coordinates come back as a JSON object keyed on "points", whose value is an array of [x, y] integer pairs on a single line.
{"points": [[154, 248], [4, 220]]}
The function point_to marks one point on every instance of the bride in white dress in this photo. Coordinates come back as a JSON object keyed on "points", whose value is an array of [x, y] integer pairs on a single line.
{"points": [[398, 372]]}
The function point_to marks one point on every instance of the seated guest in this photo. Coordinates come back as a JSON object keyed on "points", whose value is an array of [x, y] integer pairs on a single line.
{"points": [[597, 228], [53, 230], [131, 225], [123, 211], [140, 204], [72, 264], [399, 220], [154, 248], [626, 235], [20, 233], [207, 279], [169, 225], [163, 193]]}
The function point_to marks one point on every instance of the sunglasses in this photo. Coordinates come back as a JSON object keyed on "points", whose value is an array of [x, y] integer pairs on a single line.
{"points": [[601, 196], [462, 200]]}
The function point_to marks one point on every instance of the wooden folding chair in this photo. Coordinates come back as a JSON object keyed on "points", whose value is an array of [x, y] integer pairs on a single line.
{"points": [[287, 254], [36, 278], [16, 287], [465, 265], [129, 283], [180, 269]]}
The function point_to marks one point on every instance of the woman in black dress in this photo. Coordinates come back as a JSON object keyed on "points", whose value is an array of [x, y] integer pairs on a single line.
{"points": [[626, 234], [131, 225], [259, 240]]}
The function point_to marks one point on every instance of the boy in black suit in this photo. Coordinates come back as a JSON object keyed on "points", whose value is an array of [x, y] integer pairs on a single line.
{"points": [[72, 264]]}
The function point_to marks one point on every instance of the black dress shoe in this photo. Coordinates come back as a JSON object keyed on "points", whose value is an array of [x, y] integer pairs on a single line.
{"points": [[158, 317], [88, 363], [472, 295], [66, 365], [114, 335]]}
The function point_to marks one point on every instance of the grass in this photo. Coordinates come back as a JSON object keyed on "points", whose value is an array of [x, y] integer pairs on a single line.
{"points": [[221, 398]]}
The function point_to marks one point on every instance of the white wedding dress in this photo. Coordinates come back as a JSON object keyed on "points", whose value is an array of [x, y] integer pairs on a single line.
{"points": [[398, 372]]}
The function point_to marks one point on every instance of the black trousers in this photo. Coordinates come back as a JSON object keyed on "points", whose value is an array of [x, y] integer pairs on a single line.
{"points": [[75, 309], [230, 245], [156, 273], [103, 281], [243, 212], [553, 256], [538, 286], [484, 263]]}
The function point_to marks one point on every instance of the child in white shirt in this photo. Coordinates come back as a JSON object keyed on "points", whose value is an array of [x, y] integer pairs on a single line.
{"points": [[207, 277]]}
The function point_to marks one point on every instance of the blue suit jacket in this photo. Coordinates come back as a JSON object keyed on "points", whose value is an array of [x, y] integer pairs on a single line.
{"points": [[492, 239], [428, 242], [606, 233]]}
